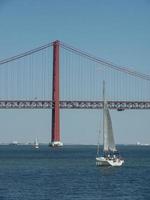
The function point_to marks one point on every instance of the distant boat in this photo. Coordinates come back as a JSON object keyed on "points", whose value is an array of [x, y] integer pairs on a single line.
{"points": [[110, 156], [141, 144], [36, 144], [14, 143]]}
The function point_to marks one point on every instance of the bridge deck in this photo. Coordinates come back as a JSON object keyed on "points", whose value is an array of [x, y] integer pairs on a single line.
{"points": [[37, 104]]}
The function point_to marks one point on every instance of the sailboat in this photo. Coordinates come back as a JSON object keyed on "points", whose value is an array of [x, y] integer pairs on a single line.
{"points": [[36, 144], [110, 156]]}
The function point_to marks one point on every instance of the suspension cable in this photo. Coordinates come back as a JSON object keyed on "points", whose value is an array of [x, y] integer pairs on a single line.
{"points": [[83, 54], [7, 60], [105, 63]]}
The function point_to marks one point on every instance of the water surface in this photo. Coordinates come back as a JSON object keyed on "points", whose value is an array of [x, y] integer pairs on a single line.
{"points": [[70, 173]]}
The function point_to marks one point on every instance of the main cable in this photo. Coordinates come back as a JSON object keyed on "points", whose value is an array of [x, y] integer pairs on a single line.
{"points": [[104, 62]]}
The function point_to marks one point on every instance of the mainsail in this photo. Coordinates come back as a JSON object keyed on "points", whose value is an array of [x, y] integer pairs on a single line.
{"points": [[108, 138], [109, 143]]}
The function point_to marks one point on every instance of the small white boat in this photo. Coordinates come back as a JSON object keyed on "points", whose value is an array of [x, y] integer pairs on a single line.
{"points": [[36, 144], [110, 155], [104, 161]]}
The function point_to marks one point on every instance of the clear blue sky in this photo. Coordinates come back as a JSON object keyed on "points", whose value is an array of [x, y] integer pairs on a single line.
{"points": [[115, 30]]}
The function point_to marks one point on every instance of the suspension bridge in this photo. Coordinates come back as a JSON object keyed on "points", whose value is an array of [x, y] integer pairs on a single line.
{"points": [[58, 76]]}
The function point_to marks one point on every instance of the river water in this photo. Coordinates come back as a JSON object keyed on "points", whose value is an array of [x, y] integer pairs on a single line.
{"points": [[70, 173]]}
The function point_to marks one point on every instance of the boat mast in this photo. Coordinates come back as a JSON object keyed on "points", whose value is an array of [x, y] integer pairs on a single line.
{"points": [[98, 144], [103, 111]]}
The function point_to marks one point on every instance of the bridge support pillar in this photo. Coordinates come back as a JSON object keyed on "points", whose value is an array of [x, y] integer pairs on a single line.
{"points": [[55, 135]]}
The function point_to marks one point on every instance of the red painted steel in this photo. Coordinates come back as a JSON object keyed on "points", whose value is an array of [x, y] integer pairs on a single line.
{"points": [[56, 110]]}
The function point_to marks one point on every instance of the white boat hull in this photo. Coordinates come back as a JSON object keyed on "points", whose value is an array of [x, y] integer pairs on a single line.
{"points": [[102, 161]]}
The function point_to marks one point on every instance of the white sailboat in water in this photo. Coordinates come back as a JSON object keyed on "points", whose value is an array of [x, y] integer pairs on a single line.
{"points": [[110, 156], [36, 144]]}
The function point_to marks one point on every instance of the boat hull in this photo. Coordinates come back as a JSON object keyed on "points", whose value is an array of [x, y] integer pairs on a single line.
{"points": [[102, 161]]}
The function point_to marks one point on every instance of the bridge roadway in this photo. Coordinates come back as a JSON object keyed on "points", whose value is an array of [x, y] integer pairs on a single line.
{"points": [[47, 104]]}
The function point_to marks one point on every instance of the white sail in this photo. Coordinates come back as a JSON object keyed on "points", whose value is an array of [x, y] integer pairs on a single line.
{"points": [[36, 144], [108, 138], [109, 143]]}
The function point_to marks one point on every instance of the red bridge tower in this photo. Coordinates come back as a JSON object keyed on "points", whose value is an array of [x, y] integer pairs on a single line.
{"points": [[55, 139]]}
